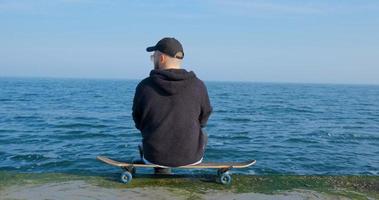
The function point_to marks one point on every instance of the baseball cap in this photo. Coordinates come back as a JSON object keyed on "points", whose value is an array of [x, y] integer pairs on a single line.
{"points": [[169, 46]]}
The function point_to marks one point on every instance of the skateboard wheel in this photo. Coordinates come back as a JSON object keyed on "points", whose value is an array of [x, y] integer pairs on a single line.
{"points": [[225, 178], [126, 177]]}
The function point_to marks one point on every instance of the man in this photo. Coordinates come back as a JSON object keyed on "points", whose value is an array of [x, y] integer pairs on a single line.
{"points": [[170, 108]]}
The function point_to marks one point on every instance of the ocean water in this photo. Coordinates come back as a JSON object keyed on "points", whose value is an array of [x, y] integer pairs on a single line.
{"points": [[61, 125]]}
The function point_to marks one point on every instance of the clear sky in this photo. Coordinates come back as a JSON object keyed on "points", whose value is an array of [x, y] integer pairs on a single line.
{"points": [[311, 41]]}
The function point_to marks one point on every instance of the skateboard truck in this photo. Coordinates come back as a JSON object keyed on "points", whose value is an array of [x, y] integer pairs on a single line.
{"points": [[224, 175], [127, 173], [223, 170]]}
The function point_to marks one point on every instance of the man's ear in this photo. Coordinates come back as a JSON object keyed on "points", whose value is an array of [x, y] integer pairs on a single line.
{"points": [[162, 58]]}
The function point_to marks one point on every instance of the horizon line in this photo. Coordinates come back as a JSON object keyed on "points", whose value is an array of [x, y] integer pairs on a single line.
{"points": [[205, 80]]}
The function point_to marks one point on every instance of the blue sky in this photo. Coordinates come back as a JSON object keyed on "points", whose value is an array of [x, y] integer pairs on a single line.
{"points": [[318, 41]]}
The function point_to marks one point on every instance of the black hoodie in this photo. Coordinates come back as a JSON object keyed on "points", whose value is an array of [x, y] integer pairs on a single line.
{"points": [[170, 107]]}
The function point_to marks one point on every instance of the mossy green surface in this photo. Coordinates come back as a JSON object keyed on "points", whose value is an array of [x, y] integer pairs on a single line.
{"points": [[356, 187]]}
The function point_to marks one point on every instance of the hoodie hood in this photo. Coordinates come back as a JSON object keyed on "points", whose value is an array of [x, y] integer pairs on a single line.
{"points": [[172, 81]]}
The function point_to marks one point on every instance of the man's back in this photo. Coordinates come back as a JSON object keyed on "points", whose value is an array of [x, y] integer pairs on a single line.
{"points": [[169, 108]]}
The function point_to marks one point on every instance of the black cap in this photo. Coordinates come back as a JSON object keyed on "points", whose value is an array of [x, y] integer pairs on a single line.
{"points": [[169, 46]]}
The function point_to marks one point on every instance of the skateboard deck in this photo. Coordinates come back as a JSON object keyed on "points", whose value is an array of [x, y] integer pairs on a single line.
{"points": [[204, 165], [223, 167]]}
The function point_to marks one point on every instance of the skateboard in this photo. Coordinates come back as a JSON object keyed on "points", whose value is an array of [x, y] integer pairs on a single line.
{"points": [[223, 168]]}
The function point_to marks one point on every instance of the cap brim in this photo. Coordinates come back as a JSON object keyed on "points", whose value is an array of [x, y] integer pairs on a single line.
{"points": [[150, 49]]}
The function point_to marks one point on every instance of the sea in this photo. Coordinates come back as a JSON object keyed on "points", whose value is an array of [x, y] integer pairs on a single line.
{"points": [[60, 125]]}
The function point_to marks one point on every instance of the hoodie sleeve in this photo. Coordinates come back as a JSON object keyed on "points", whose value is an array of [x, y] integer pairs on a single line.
{"points": [[136, 111], [206, 108]]}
